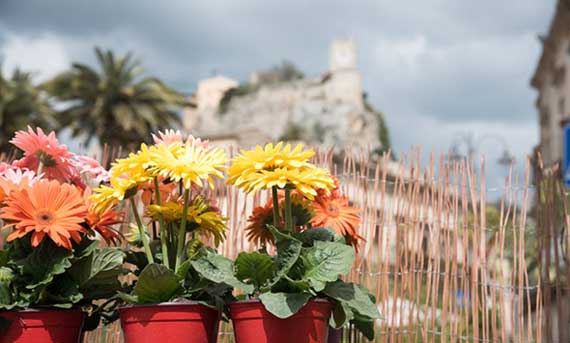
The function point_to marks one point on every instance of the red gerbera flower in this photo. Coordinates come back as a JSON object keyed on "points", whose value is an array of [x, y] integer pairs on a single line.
{"points": [[257, 230]]}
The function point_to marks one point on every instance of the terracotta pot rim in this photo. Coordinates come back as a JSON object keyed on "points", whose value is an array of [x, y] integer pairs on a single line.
{"points": [[165, 304], [249, 301]]}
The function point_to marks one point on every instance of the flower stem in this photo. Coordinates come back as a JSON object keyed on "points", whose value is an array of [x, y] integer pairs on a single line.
{"points": [[288, 214], [40, 168], [163, 229], [275, 206], [142, 232], [182, 231]]}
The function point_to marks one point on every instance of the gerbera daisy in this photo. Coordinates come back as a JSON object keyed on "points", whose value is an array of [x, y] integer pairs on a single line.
{"points": [[106, 196], [167, 191], [15, 179], [91, 167], [102, 223], [46, 208], [167, 137], [306, 180], [5, 166], [336, 213], [172, 137], [267, 158], [202, 218], [257, 231], [137, 166], [171, 211], [190, 163], [262, 216], [45, 150]]}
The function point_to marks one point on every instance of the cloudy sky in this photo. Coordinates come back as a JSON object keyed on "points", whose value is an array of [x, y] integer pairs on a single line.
{"points": [[436, 68]]}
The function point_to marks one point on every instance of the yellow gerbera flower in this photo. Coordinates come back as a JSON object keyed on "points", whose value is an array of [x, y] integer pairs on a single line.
{"points": [[106, 196], [267, 158], [305, 180], [137, 166], [201, 218], [189, 163], [171, 211]]}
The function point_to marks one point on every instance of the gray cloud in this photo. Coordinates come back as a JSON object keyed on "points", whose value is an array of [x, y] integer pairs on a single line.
{"points": [[446, 64]]}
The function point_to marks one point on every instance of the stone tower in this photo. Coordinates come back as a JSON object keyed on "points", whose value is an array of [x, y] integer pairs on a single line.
{"points": [[345, 85], [342, 55]]}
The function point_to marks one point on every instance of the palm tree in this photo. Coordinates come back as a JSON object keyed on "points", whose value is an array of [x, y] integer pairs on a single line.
{"points": [[22, 104], [115, 105]]}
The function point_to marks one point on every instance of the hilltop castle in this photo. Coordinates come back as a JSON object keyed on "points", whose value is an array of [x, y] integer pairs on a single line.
{"points": [[329, 110]]}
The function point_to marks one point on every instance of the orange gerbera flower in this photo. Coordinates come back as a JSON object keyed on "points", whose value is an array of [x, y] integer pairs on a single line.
{"points": [[335, 212], [102, 222], [257, 230], [46, 208]]}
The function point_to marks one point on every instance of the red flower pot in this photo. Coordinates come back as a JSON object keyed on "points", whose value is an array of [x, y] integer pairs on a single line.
{"points": [[169, 322], [42, 326], [253, 323]]}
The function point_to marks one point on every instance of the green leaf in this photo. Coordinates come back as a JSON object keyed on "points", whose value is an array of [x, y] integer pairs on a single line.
{"points": [[325, 262], [44, 263], [284, 305], [219, 269], [128, 298], [341, 314], [86, 247], [254, 267], [137, 258], [97, 273], [63, 292], [5, 295], [4, 258], [365, 326], [288, 252], [352, 295], [157, 284], [280, 235], [309, 236], [183, 269]]}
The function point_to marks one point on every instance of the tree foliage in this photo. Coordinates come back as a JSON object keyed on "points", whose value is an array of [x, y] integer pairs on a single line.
{"points": [[115, 103], [22, 104]]}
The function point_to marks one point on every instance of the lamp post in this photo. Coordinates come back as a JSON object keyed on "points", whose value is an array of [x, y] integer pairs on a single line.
{"points": [[472, 145]]}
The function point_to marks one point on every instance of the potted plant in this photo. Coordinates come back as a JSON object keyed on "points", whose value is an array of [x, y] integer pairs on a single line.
{"points": [[290, 295], [170, 299], [52, 270]]}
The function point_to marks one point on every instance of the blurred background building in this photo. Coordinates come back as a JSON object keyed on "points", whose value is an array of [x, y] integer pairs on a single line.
{"points": [[551, 81], [283, 104]]}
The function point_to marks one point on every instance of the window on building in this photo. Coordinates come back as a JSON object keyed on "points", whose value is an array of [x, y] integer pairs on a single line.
{"points": [[562, 106]]}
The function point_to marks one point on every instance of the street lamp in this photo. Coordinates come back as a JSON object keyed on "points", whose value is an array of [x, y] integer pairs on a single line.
{"points": [[467, 139]]}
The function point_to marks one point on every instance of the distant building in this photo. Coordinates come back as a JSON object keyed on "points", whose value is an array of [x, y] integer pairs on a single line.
{"points": [[553, 85], [552, 82], [329, 110]]}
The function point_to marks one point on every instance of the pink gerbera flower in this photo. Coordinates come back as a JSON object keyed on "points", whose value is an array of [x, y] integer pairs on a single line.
{"points": [[5, 166], [191, 139], [91, 167], [14, 178], [43, 149], [171, 136], [167, 137]]}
